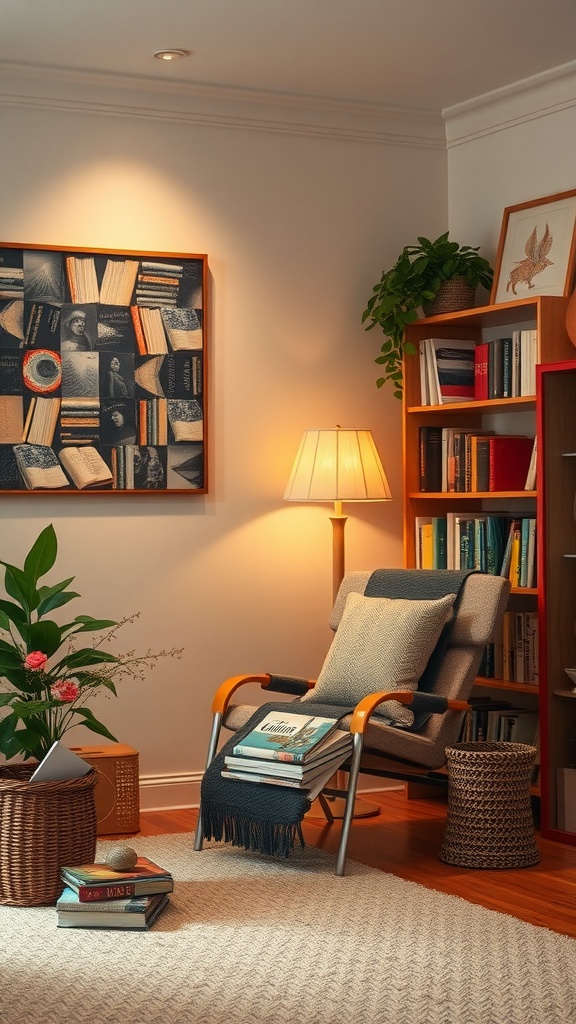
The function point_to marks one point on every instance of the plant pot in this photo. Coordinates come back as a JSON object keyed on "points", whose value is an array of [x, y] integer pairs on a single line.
{"points": [[451, 297], [43, 826]]}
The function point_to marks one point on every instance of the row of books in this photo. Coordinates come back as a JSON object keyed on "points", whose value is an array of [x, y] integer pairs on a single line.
{"points": [[158, 283], [455, 370], [497, 721], [501, 545], [40, 468], [291, 750], [506, 367], [458, 459], [149, 330], [96, 896], [513, 655], [151, 283]]}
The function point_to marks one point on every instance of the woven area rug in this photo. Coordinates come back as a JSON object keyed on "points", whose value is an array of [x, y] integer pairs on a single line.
{"points": [[248, 940]]}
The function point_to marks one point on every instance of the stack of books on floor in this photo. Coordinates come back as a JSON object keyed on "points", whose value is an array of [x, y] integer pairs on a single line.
{"points": [[96, 896], [285, 749]]}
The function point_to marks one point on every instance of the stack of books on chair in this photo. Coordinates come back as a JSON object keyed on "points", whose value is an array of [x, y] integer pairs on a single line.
{"points": [[290, 750], [96, 896]]}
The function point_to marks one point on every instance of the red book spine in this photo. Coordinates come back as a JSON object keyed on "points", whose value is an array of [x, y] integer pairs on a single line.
{"points": [[91, 893]]}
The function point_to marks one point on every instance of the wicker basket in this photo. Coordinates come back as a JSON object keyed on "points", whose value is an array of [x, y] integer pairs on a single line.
{"points": [[451, 296], [490, 821], [43, 826]]}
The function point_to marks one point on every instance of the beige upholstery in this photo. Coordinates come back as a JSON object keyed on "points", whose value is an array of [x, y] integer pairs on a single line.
{"points": [[482, 603]]}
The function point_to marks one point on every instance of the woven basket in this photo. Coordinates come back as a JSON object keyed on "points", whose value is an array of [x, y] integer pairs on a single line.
{"points": [[451, 296], [43, 826], [490, 821]]}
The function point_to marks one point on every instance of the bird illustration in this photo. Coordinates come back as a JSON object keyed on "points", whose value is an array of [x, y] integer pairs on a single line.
{"points": [[535, 262]]}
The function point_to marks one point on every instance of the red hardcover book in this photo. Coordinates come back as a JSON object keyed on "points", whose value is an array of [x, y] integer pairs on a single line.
{"points": [[509, 459]]}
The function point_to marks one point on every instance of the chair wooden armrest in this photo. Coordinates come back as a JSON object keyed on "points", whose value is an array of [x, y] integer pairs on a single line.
{"points": [[368, 705], [266, 680]]}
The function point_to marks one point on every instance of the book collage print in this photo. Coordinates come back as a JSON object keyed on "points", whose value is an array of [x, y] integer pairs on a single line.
{"points": [[102, 371]]}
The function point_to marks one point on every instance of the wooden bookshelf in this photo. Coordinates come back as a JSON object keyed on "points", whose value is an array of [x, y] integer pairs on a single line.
{"points": [[556, 398], [545, 314]]}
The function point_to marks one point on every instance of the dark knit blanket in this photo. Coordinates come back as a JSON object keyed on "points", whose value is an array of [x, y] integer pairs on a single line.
{"points": [[257, 816]]}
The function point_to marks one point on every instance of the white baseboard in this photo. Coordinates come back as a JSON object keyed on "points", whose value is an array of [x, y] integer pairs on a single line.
{"points": [[172, 792], [169, 792]]}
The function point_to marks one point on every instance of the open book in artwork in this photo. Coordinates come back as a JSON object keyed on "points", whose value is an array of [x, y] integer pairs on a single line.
{"points": [[183, 327], [85, 467], [41, 420], [39, 468], [186, 419]]}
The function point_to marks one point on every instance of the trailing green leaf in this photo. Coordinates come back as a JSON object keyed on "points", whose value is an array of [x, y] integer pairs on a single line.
{"points": [[416, 277]]}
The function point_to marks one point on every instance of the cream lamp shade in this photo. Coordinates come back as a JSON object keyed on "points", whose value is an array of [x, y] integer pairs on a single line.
{"points": [[337, 464]]}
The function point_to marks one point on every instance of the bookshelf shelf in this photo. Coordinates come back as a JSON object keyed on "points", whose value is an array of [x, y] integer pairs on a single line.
{"points": [[520, 415], [472, 495], [505, 684]]}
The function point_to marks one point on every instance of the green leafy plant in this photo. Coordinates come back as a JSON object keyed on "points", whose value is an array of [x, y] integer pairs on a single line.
{"points": [[46, 680], [413, 281]]}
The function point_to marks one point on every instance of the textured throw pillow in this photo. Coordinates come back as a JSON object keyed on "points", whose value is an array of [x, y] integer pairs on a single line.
{"points": [[380, 644]]}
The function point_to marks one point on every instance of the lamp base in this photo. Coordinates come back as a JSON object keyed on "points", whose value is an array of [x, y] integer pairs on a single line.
{"points": [[362, 808]]}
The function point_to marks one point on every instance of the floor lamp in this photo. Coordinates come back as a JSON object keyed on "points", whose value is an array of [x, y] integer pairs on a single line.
{"points": [[337, 465]]}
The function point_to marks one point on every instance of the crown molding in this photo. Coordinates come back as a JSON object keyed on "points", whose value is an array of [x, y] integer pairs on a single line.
{"points": [[527, 100], [60, 89]]}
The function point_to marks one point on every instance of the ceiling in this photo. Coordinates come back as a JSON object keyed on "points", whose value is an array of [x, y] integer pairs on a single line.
{"points": [[417, 54]]}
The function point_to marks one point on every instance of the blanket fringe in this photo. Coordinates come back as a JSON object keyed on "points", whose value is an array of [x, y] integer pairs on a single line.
{"points": [[270, 838]]}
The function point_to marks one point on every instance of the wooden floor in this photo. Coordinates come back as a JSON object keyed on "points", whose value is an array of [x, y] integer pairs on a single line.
{"points": [[405, 839]]}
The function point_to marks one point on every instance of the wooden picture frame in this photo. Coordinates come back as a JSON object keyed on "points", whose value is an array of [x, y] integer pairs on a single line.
{"points": [[103, 371], [537, 249]]}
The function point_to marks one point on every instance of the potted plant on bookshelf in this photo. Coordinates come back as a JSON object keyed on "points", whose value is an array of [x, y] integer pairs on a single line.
{"points": [[431, 277], [46, 681]]}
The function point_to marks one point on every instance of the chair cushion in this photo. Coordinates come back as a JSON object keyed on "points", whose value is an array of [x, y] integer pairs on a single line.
{"points": [[381, 644]]}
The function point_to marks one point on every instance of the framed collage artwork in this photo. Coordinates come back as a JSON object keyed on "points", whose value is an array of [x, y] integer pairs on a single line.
{"points": [[103, 372]]}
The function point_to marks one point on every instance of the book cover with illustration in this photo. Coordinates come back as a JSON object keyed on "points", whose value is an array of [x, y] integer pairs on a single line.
{"points": [[284, 736], [93, 882], [42, 325]]}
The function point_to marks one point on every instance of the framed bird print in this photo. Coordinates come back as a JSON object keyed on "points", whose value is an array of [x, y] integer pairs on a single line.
{"points": [[102, 371], [537, 249]]}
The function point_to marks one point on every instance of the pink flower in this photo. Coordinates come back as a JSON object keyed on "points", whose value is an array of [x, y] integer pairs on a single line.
{"points": [[65, 691], [35, 660]]}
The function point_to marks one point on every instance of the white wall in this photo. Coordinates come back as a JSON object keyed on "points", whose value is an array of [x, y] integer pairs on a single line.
{"points": [[298, 221], [509, 147]]}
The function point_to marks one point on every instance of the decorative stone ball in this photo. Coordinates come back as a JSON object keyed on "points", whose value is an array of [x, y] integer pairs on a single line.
{"points": [[121, 857]]}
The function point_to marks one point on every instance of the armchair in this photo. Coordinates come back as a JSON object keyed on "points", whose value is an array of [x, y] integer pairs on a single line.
{"points": [[381, 748]]}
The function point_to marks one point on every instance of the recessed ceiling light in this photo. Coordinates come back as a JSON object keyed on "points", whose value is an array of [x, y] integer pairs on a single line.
{"points": [[171, 54]]}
